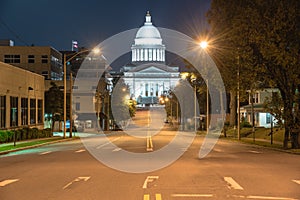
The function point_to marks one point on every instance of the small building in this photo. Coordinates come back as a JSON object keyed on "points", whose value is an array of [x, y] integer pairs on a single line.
{"points": [[262, 118], [45, 60], [21, 98]]}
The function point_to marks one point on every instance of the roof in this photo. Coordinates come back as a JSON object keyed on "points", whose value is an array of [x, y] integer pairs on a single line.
{"points": [[158, 66]]}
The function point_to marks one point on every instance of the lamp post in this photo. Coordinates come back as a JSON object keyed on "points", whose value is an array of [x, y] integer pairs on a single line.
{"points": [[207, 107], [204, 45], [238, 99], [95, 50]]}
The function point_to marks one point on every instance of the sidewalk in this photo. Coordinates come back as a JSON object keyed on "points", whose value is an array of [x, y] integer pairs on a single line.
{"points": [[33, 143], [264, 143]]}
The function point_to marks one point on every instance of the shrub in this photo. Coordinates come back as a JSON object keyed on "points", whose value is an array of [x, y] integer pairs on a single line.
{"points": [[3, 136]]}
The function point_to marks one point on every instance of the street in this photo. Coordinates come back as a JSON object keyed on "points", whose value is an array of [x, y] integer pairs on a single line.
{"points": [[231, 170]]}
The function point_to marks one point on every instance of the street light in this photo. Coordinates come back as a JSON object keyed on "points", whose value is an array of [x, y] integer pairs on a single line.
{"points": [[204, 45], [96, 51], [193, 79]]}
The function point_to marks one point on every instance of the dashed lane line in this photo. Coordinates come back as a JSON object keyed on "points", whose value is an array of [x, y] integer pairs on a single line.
{"points": [[117, 149], [257, 152], [102, 145], [192, 195], [80, 178], [297, 181], [8, 181], [232, 184], [46, 152], [270, 198], [80, 150]]}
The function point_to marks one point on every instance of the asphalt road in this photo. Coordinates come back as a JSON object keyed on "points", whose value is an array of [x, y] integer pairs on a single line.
{"points": [[70, 171]]}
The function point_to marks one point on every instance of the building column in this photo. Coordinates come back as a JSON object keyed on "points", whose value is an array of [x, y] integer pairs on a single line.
{"points": [[7, 111], [19, 111], [133, 54], [154, 55], [142, 55], [137, 55]]}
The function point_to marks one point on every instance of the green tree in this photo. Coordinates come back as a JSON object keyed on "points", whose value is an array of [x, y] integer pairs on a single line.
{"points": [[264, 35], [54, 103]]}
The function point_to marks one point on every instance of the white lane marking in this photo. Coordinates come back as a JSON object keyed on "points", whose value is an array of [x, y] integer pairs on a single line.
{"points": [[192, 195], [217, 150], [149, 179], [8, 181], [83, 178], [297, 181], [232, 183], [255, 152], [46, 152], [80, 150], [102, 145], [265, 197], [117, 149]]}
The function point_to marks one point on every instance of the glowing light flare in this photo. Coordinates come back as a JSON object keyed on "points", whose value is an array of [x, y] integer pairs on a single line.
{"points": [[96, 50], [203, 44]]}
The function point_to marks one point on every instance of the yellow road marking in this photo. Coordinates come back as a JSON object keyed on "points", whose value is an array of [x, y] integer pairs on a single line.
{"points": [[158, 196], [146, 197]]}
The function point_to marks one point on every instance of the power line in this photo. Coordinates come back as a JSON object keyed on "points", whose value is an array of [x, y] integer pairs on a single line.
{"points": [[13, 32]]}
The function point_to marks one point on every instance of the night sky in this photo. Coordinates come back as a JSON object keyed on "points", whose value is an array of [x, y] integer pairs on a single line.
{"points": [[57, 22]]}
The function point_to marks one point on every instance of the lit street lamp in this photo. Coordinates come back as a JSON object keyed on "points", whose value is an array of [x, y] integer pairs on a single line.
{"points": [[96, 51]]}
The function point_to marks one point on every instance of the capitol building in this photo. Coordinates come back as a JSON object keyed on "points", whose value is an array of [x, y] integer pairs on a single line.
{"points": [[147, 76]]}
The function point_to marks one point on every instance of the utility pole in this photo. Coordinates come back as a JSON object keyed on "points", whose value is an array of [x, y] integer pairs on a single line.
{"points": [[238, 98], [71, 106]]}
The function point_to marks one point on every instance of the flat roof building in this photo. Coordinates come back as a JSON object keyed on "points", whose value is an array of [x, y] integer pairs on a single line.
{"points": [[45, 61], [21, 98]]}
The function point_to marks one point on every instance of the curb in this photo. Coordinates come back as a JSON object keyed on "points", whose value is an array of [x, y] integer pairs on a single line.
{"points": [[37, 145], [263, 147]]}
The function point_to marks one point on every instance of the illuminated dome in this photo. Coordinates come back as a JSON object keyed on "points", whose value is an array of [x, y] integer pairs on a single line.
{"points": [[148, 43]]}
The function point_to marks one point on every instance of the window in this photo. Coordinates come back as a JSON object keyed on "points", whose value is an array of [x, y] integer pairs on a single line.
{"points": [[2, 111], [30, 58], [77, 106], [44, 59], [40, 111], [32, 111], [12, 58], [146, 89], [268, 118], [13, 111], [24, 111], [255, 98]]}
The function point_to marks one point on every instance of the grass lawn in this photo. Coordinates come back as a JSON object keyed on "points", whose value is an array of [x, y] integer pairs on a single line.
{"points": [[21, 144], [260, 133]]}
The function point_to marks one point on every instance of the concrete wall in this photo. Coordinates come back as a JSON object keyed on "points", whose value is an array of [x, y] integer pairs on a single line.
{"points": [[19, 83]]}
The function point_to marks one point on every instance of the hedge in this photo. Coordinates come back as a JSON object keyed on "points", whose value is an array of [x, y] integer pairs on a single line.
{"points": [[23, 134]]}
